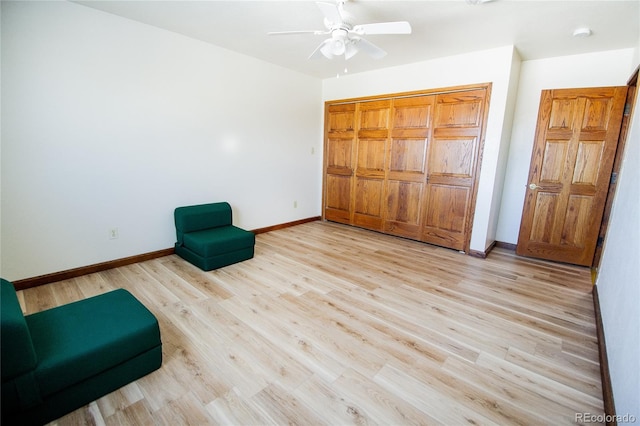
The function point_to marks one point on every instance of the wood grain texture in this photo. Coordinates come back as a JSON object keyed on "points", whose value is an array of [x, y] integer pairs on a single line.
{"points": [[408, 165], [331, 324], [569, 176]]}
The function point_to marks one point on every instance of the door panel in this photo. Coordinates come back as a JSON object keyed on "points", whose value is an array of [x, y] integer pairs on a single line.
{"points": [[452, 157], [369, 182], [371, 161], [446, 217], [403, 207], [339, 155], [461, 109], [338, 198], [555, 156], [452, 165], [587, 167], [543, 223], [571, 163], [576, 222], [340, 135], [371, 157], [368, 202], [410, 133], [407, 157]]}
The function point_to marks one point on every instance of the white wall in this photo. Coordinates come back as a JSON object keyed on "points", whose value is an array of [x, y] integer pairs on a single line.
{"points": [[497, 66], [619, 276], [619, 281], [108, 123], [611, 68]]}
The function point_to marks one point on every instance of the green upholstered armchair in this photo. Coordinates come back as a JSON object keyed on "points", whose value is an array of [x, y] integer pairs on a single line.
{"points": [[207, 238], [61, 359]]}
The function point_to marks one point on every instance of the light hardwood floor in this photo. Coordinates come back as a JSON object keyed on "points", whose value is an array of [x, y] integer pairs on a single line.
{"points": [[330, 324]]}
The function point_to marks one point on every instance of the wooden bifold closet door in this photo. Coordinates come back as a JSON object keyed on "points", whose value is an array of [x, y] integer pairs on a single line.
{"points": [[406, 164]]}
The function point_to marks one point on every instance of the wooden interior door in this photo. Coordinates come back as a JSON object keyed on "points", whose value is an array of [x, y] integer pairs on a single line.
{"points": [[410, 134], [340, 137], [574, 149], [371, 156], [452, 164]]}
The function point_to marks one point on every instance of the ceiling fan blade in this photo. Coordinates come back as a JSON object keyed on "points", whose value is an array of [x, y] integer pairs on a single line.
{"points": [[330, 11], [350, 51], [401, 27], [297, 32], [321, 51], [369, 48]]}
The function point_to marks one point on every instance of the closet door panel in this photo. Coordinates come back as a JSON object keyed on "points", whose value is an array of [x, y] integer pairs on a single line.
{"points": [[452, 158], [459, 109], [407, 157], [374, 116], [446, 216], [371, 162], [339, 163], [371, 155], [339, 156], [341, 118], [338, 198], [410, 132], [452, 167], [368, 203], [403, 208]]}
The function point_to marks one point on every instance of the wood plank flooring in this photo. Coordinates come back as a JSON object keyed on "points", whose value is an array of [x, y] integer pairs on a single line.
{"points": [[330, 324]]}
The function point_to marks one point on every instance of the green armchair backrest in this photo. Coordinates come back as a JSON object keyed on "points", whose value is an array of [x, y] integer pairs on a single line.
{"points": [[200, 217], [18, 354]]}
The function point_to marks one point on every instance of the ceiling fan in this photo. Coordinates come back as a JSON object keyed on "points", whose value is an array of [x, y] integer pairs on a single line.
{"points": [[345, 37]]}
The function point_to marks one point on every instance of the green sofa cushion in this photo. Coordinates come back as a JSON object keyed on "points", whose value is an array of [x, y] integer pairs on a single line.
{"points": [[215, 241], [18, 353], [85, 338]]}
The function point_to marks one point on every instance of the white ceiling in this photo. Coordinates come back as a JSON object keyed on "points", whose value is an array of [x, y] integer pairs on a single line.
{"points": [[538, 29]]}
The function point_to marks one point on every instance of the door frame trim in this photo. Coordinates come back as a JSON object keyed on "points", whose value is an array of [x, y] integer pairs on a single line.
{"points": [[632, 96]]}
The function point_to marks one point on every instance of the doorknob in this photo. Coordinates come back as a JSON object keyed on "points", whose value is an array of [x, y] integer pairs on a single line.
{"points": [[533, 186]]}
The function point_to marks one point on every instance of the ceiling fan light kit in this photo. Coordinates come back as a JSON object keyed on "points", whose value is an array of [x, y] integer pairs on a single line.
{"points": [[345, 37]]}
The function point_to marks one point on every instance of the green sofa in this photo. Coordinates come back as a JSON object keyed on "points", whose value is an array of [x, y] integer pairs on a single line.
{"points": [[207, 239], [58, 360]]}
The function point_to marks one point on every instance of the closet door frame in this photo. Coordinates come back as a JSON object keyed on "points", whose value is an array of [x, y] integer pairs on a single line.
{"points": [[468, 225]]}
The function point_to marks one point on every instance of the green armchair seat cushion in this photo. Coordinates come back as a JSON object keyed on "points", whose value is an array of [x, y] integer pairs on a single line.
{"points": [[60, 359], [206, 237], [215, 241], [85, 338]]}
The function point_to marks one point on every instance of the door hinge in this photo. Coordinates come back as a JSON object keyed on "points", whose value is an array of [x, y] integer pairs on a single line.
{"points": [[600, 242], [627, 109], [614, 178]]}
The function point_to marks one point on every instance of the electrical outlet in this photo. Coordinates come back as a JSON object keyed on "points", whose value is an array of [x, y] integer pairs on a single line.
{"points": [[113, 234]]}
